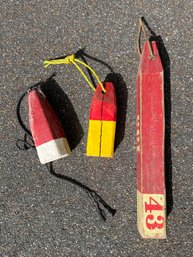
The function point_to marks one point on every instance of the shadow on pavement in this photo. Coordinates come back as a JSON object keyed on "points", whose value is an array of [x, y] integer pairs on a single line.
{"points": [[65, 111]]}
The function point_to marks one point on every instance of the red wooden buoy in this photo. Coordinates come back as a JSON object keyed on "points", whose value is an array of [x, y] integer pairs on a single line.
{"points": [[151, 193], [102, 123], [48, 134]]}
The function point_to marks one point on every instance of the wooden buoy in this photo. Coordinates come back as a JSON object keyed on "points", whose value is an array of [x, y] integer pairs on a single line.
{"points": [[48, 135], [102, 123], [151, 193]]}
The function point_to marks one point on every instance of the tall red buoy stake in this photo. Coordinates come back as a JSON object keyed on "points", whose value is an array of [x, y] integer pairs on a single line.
{"points": [[151, 193], [48, 135]]}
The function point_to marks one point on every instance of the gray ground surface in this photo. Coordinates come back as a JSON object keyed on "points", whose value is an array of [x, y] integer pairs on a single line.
{"points": [[43, 216]]}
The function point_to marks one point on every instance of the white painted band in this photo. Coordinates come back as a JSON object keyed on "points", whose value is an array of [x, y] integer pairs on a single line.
{"points": [[151, 215], [53, 150]]}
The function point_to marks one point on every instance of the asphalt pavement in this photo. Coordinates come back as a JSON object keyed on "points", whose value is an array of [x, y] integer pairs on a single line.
{"points": [[44, 216]]}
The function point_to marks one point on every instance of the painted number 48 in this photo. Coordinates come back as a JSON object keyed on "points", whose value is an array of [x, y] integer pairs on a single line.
{"points": [[151, 207]]}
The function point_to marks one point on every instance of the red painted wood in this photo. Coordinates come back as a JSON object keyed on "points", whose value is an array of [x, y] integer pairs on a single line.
{"points": [[150, 124], [138, 123], [44, 123], [104, 106]]}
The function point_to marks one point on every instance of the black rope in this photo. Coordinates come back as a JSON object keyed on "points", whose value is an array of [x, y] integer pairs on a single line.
{"points": [[81, 54], [27, 142], [23, 144], [94, 195]]}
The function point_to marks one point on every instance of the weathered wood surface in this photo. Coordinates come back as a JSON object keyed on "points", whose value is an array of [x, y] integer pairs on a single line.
{"points": [[151, 194]]}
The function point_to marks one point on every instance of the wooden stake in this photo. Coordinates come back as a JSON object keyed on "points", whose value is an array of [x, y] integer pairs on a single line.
{"points": [[151, 195]]}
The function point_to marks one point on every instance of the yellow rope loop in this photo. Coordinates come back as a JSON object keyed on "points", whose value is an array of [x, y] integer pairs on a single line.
{"points": [[70, 59], [93, 72]]}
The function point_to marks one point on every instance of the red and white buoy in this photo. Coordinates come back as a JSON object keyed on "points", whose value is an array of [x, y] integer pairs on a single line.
{"points": [[48, 134]]}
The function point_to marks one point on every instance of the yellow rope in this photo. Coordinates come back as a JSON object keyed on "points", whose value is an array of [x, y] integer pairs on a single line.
{"points": [[72, 60]]}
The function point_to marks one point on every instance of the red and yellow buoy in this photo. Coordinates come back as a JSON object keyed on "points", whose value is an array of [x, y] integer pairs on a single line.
{"points": [[102, 122], [103, 111]]}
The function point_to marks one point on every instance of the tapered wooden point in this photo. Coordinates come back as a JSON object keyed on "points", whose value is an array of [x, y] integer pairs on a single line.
{"points": [[151, 193]]}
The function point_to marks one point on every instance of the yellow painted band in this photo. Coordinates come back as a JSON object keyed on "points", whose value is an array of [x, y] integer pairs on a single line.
{"points": [[101, 138]]}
